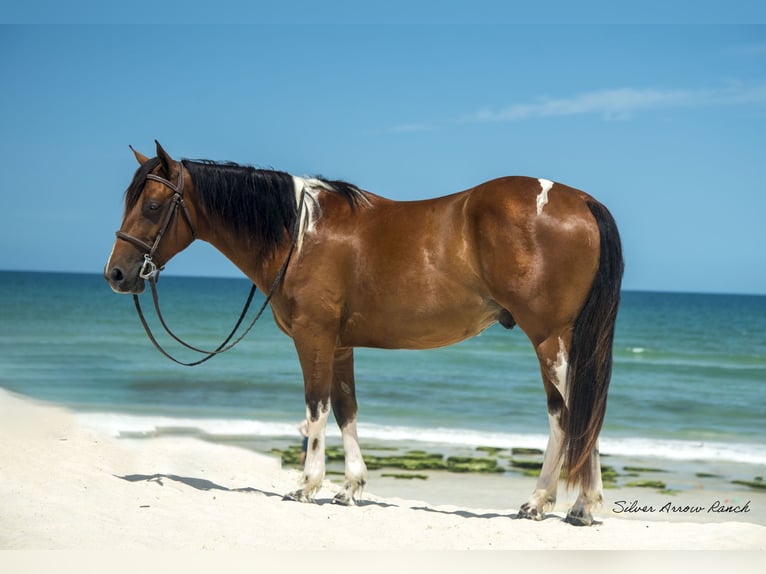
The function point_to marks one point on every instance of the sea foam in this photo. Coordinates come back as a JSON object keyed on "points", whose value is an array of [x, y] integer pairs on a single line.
{"points": [[128, 425]]}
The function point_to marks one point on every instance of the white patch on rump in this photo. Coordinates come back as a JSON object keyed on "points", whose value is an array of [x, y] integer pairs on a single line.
{"points": [[542, 197]]}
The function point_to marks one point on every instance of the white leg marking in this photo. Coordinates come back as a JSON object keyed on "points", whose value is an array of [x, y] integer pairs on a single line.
{"points": [[549, 477], [542, 197], [313, 470], [559, 371], [591, 498], [544, 496], [356, 470]]}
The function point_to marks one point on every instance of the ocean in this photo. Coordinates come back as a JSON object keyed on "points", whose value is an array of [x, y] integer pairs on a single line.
{"points": [[688, 381]]}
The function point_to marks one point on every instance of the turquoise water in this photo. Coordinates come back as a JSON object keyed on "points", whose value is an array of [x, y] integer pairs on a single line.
{"points": [[689, 375]]}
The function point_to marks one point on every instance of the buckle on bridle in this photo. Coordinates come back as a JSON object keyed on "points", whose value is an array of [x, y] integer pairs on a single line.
{"points": [[148, 269]]}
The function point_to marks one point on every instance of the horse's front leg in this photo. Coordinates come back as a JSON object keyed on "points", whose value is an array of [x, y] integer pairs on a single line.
{"points": [[316, 355], [344, 407]]}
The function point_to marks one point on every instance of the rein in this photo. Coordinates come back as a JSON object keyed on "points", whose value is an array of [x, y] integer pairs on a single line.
{"points": [[150, 272]]}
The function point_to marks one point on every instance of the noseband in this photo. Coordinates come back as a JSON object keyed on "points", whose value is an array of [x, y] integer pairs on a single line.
{"points": [[149, 268]]}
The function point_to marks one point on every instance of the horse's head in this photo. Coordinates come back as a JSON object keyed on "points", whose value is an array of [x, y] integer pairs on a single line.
{"points": [[158, 222]]}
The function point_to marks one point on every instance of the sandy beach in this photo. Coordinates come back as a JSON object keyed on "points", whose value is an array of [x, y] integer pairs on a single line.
{"points": [[66, 487]]}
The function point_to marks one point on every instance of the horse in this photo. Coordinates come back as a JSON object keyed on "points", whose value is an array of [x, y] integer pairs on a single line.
{"points": [[348, 268]]}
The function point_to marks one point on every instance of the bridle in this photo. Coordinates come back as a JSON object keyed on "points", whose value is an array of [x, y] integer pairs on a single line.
{"points": [[149, 269], [150, 272]]}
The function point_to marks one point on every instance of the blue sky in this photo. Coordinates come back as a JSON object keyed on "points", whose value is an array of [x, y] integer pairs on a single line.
{"points": [[664, 124]]}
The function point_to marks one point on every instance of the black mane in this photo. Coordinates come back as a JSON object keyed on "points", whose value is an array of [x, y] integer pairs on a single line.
{"points": [[258, 203], [255, 202]]}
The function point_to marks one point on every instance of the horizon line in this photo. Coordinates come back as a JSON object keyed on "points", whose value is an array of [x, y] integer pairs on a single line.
{"points": [[242, 277]]}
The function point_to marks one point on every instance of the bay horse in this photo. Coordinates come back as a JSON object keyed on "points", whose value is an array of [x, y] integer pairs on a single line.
{"points": [[366, 271]]}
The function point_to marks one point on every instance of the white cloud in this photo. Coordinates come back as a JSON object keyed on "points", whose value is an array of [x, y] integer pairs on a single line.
{"points": [[622, 103], [410, 128]]}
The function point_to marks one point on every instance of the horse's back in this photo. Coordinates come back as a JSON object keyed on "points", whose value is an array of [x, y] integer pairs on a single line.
{"points": [[526, 198]]}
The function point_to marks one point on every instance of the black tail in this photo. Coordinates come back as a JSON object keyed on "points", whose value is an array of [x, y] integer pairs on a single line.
{"points": [[590, 355]]}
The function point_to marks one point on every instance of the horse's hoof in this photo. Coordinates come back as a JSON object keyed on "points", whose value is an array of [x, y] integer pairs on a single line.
{"points": [[343, 499], [297, 496], [577, 519], [529, 513]]}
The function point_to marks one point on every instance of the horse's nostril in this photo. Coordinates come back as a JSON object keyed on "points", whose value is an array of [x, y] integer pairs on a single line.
{"points": [[116, 274]]}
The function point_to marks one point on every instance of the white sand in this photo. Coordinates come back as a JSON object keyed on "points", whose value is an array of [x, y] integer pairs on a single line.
{"points": [[62, 487]]}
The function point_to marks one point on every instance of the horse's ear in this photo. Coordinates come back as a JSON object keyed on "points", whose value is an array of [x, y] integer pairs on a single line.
{"points": [[168, 163], [142, 159]]}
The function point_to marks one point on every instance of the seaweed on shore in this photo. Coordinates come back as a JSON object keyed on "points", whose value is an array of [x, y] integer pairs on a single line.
{"points": [[406, 462], [405, 476], [642, 469], [526, 461], [471, 464], [609, 476], [290, 456], [334, 453], [757, 483], [423, 455], [490, 450], [533, 472], [520, 451], [413, 460], [648, 484], [526, 464]]}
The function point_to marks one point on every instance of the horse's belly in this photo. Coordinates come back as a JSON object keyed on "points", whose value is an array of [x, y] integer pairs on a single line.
{"points": [[412, 327]]}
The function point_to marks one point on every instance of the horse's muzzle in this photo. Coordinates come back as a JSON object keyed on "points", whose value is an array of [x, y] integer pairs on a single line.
{"points": [[124, 282]]}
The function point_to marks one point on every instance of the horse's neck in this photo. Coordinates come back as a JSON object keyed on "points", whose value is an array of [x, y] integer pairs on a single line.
{"points": [[261, 271]]}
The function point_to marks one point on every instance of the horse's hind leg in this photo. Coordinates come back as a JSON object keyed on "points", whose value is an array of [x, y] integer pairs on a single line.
{"points": [[345, 408], [590, 495], [552, 354]]}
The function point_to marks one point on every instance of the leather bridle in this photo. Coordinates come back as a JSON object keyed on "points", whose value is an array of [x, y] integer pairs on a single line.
{"points": [[149, 271], [149, 268]]}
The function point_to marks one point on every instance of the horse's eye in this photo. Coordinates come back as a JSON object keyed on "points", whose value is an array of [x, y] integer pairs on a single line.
{"points": [[153, 206]]}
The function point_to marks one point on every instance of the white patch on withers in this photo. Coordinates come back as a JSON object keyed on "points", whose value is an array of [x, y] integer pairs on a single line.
{"points": [[309, 189], [309, 206], [559, 371], [542, 197]]}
